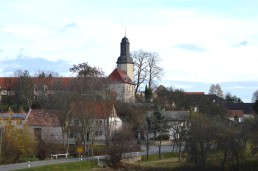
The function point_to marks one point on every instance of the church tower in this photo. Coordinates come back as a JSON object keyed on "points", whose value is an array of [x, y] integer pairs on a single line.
{"points": [[124, 61]]}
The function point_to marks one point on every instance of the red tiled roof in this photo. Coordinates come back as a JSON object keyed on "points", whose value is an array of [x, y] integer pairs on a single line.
{"points": [[96, 110], [120, 76], [51, 82], [235, 113], [7, 83], [41, 117]]}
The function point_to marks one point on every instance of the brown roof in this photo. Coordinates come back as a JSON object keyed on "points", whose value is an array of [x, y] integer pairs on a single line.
{"points": [[120, 76], [8, 83], [96, 110], [235, 113], [41, 117]]}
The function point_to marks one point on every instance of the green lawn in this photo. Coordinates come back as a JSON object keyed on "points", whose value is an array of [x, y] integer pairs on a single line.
{"points": [[76, 166], [169, 162]]}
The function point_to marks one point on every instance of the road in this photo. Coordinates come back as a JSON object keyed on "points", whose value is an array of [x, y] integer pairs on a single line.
{"points": [[9, 167]]}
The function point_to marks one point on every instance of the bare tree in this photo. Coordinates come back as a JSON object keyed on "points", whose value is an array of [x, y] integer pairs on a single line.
{"points": [[140, 64], [84, 112], [154, 71], [24, 86], [147, 68], [120, 143], [61, 101], [216, 90]]}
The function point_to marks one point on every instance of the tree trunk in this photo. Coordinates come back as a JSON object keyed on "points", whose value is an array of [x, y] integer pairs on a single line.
{"points": [[67, 141], [179, 150], [147, 146], [63, 137], [224, 159]]}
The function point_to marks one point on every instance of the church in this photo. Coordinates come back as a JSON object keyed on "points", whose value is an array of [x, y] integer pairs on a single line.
{"points": [[122, 81]]}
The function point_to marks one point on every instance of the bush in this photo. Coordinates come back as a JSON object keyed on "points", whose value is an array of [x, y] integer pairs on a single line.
{"points": [[163, 137], [42, 150]]}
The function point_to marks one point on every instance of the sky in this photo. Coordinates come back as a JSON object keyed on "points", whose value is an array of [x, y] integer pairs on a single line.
{"points": [[201, 42]]}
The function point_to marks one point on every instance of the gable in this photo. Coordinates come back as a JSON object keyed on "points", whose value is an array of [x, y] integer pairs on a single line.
{"points": [[120, 76], [41, 117]]}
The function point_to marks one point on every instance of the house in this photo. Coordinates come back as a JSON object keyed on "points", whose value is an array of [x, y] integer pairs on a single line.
{"points": [[41, 86], [45, 125], [176, 122], [100, 118], [13, 118], [239, 111]]}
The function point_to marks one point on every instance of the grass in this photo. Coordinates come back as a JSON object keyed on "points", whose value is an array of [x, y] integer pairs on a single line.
{"points": [[169, 162], [75, 166], [154, 157]]}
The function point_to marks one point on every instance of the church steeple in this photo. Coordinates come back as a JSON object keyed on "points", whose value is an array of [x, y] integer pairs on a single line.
{"points": [[124, 52], [124, 61]]}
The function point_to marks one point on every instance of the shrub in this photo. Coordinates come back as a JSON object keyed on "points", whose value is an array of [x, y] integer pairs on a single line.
{"points": [[163, 137]]}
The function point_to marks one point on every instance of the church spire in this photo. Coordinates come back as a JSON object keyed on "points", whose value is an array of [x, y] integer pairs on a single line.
{"points": [[124, 61], [124, 52]]}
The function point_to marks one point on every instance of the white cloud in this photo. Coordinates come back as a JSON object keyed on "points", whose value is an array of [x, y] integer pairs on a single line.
{"points": [[95, 31]]}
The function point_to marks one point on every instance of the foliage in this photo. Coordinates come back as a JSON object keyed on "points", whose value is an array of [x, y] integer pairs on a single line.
{"points": [[148, 93], [162, 137], [154, 157], [232, 99], [16, 143], [132, 114], [41, 150], [85, 70], [255, 106], [120, 143], [46, 74], [255, 96], [158, 123], [200, 139]]}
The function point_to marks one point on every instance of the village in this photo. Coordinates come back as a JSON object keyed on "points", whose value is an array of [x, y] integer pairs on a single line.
{"points": [[50, 116]]}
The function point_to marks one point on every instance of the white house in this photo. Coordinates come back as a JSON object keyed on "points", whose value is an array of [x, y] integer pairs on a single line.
{"points": [[176, 121]]}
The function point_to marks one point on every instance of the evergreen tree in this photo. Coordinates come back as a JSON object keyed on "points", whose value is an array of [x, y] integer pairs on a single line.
{"points": [[148, 93]]}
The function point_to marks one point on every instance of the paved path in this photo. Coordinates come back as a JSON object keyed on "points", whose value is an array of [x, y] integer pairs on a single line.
{"points": [[153, 150]]}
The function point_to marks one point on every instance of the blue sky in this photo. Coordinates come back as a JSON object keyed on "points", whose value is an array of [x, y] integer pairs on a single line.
{"points": [[200, 41]]}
